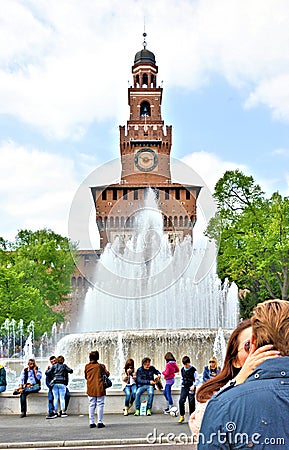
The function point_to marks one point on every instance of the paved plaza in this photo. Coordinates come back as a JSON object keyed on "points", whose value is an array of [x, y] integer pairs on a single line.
{"points": [[35, 431]]}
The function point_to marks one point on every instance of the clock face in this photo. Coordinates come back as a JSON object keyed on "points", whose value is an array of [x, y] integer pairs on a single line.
{"points": [[146, 159]]}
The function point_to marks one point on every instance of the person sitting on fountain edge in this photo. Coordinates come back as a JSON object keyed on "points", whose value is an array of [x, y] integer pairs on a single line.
{"points": [[29, 383], [145, 382], [3, 381]]}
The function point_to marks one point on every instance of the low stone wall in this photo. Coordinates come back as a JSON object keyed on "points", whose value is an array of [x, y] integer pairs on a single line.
{"points": [[114, 403]]}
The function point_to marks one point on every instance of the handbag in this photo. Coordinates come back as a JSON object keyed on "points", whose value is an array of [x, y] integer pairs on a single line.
{"points": [[107, 383]]}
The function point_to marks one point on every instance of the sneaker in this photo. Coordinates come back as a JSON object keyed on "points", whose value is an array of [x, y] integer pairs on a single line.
{"points": [[63, 414], [149, 412], [125, 411], [92, 425], [100, 425], [181, 419], [51, 416], [22, 415], [137, 412], [167, 411]]}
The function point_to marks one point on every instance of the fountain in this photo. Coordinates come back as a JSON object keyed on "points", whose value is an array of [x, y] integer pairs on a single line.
{"points": [[148, 291]]}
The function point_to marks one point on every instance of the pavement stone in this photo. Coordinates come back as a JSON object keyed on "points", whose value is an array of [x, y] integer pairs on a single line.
{"points": [[34, 431]]}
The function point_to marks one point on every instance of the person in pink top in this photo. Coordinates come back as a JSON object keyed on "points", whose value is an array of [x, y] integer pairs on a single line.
{"points": [[169, 376]]}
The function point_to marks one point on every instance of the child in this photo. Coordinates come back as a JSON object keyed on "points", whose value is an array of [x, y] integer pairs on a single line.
{"points": [[169, 375], [190, 381]]}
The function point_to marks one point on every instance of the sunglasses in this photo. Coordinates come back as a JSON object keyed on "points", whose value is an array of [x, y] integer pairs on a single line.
{"points": [[245, 346], [211, 362]]}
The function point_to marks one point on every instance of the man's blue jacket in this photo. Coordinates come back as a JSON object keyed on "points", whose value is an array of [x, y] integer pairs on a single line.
{"points": [[254, 414], [145, 376]]}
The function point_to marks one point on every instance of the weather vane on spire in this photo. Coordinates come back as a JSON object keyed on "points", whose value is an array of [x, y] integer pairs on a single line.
{"points": [[144, 33], [144, 41]]}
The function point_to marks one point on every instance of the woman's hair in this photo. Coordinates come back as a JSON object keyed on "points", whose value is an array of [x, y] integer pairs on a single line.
{"points": [[169, 357], [270, 324], [228, 372], [214, 360], [129, 363], [60, 359]]}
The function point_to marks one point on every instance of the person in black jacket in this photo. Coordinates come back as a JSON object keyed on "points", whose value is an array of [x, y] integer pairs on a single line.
{"points": [[190, 380], [49, 377], [145, 382], [3, 382], [58, 374]]}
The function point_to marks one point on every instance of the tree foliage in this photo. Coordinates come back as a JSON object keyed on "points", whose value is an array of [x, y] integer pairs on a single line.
{"points": [[35, 275], [253, 234]]}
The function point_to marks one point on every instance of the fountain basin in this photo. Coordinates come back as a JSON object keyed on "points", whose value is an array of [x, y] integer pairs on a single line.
{"points": [[116, 346]]}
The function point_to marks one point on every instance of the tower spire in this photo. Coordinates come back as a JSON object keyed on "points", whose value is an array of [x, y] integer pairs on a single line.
{"points": [[144, 40]]}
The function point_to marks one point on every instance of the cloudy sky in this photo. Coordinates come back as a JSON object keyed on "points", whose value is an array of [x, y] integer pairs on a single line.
{"points": [[64, 72]]}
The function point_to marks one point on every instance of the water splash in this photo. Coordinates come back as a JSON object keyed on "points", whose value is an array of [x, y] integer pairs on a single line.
{"points": [[145, 283]]}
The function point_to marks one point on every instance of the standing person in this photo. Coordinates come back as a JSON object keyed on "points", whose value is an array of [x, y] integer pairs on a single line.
{"points": [[49, 376], [211, 370], [128, 384], [29, 382], [169, 375], [58, 375], [255, 412], [3, 381], [190, 380], [95, 388], [145, 382]]}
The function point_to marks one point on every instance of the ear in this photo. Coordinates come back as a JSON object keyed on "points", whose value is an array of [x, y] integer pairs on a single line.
{"points": [[253, 344]]}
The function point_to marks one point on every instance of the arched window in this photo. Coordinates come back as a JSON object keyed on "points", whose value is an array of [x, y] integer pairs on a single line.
{"points": [[79, 281], [175, 221], [186, 221], [116, 222], [111, 222], [152, 81], [181, 221], [73, 281], [145, 109], [137, 81], [145, 81], [122, 221]]}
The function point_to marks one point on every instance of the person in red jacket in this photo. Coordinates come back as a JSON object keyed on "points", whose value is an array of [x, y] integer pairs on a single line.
{"points": [[169, 376]]}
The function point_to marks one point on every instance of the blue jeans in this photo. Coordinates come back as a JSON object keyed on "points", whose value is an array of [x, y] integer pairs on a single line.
{"points": [[51, 400], [130, 391], [2, 388], [168, 394], [140, 390], [27, 391], [58, 391]]}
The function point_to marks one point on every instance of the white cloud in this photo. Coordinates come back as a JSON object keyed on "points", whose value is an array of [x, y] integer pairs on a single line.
{"points": [[281, 152], [65, 64], [210, 167], [36, 189]]}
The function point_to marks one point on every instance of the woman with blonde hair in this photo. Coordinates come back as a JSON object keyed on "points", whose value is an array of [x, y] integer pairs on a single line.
{"points": [[211, 370]]}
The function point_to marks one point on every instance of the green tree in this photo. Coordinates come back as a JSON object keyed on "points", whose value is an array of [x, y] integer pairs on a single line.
{"points": [[35, 275], [252, 233]]}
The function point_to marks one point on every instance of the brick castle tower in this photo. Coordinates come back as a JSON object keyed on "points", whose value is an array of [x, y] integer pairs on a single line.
{"points": [[145, 147]]}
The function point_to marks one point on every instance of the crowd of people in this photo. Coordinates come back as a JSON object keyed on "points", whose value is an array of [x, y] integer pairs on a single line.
{"points": [[256, 365]]}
